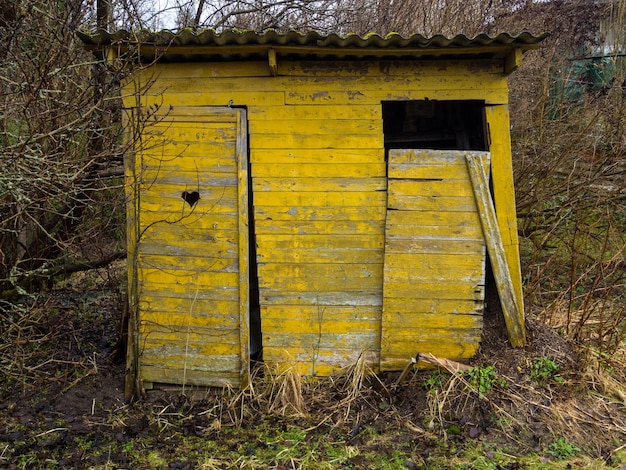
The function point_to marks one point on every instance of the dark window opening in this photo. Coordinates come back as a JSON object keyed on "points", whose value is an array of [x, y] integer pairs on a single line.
{"points": [[433, 124]]}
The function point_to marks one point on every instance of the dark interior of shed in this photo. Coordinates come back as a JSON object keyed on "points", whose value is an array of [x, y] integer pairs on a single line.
{"points": [[434, 124]]}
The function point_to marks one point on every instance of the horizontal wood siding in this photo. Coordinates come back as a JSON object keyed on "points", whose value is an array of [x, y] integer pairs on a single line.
{"points": [[434, 271], [320, 193], [319, 251]]}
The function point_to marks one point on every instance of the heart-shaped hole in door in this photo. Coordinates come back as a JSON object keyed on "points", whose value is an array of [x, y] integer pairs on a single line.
{"points": [[191, 197]]}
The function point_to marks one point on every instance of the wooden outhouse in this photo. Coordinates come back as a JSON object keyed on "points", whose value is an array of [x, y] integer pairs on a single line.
{"points": [[323, 197]]}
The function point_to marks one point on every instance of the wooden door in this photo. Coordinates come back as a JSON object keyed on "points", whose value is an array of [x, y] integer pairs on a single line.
{"points": [[434, 265], [191, 248]]}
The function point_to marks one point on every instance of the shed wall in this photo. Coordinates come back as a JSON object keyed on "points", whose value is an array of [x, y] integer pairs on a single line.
{"points": [[319, 183]]}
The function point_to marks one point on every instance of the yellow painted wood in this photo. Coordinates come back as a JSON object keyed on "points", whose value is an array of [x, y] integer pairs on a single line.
{"points": [[327, 156], [357, 241], [434, 271], [269, 114], [367, 212], [198, 341], [320, 198], [339, 227], [514, 317], [437, 307], [504, 193], [317, 141], [321, 68], [321, 170], [328, 127], [172, 375], [442, 245], [273, 271], [398, 201], [178, 308], [244, 246], [339, 297], [386, 68], [318, 87], [490, 95], [192, 267], [369, 314], [323, 362]]}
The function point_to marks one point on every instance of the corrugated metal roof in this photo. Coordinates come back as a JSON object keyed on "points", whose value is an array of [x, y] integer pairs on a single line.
{"points": [[187, 45]]}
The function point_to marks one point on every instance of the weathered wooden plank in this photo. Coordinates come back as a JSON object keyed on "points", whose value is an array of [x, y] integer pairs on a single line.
{"points": [[174, 375], [427, 220], [220, 249], [221, 363], [420, 157], [198, 340], [177, 309], [328, 227], [337, 242], [293, 212], [409, 323], [194, 280], [209, 98], [429, 188], [183, 292], [472, 275], [328, 68], [193, 263], [319, 184], [316, 141], [503, 192], [323, 112], [432, 232], [187, 180], [328, 156], [320, 284], [172, 207], [431, 203], [370, 314], [192, 227], [158, 151], [442, 245], [513, 316], [355, 86], [427, 262], [433, 306], [427, 171], [321, 170], [387, 68], [207, 69], [244, 250], [447, 347], [322, 326], [317, 126], [312, 342], [320, 198], [432, 92], [336, 298], [271, 270], [312, 255], [434, 289], [178, 131], [322, 363]]}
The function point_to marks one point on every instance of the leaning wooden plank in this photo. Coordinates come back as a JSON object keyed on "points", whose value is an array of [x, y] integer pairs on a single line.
{"points": [[513, 316]]}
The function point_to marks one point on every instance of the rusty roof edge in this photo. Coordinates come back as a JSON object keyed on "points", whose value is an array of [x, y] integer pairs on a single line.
{"points": [[312, 40]]}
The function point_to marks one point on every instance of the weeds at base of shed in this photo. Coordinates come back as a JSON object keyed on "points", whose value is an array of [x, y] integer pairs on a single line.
{"points": [[355, 419]]}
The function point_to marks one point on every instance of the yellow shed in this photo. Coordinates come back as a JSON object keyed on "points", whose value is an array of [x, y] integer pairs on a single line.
{"points": [[319, 197]]}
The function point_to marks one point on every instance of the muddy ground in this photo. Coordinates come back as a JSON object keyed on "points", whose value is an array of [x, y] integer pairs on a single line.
{"points": [[62, 405]]}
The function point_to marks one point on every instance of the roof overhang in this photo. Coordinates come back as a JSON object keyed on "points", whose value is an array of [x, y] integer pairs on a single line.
{"points": [[210, 46]]}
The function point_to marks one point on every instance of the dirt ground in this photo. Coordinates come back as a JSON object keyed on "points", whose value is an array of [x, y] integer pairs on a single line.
{"points": [[62, 406]]}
